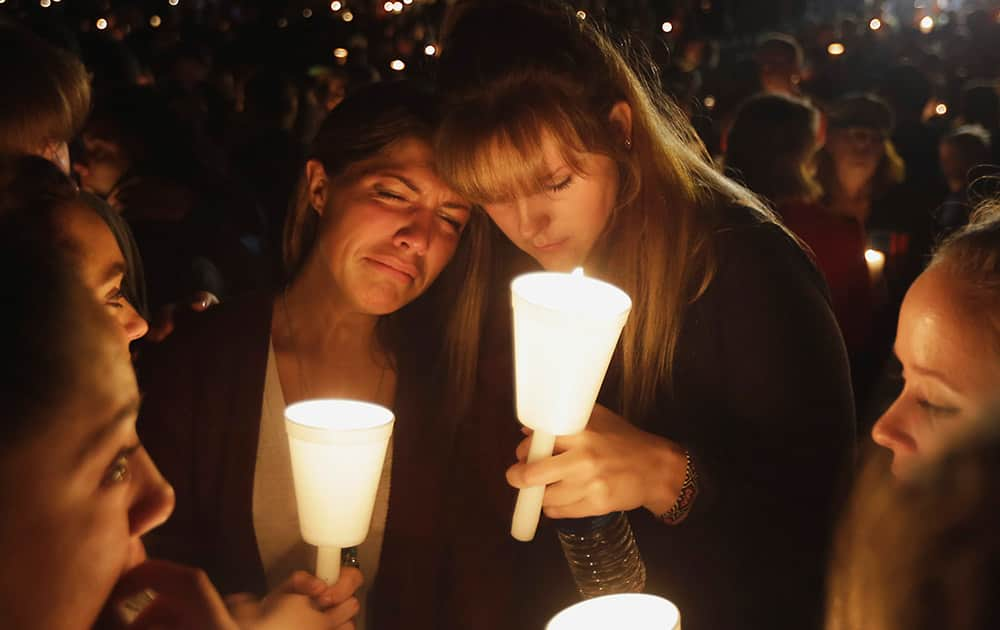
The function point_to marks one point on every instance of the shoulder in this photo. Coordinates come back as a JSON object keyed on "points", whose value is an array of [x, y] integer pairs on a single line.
{"points": [[756, 255]]}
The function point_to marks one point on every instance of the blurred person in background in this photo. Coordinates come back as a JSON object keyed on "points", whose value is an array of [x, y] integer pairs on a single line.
{"points": [[47, 100], [771, 147], [780, 63], [265, 150], [963, 153], [197, 231]]}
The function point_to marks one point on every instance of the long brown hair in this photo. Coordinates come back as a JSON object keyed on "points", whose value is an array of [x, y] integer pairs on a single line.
{"points": [[443, 324], [561, 79]]}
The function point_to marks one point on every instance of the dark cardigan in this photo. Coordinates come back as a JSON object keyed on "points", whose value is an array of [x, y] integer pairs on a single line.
{"points": [[200, 420], [762, 399]]}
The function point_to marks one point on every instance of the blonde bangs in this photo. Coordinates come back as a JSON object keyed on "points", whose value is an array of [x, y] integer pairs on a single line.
{"points": [[492, 161]]}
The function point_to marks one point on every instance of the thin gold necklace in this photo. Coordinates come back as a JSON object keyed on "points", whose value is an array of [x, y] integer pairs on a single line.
{"points": [[298, 355]]}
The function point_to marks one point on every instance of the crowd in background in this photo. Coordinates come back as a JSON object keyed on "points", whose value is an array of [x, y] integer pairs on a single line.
{"points": [[161, 150]]}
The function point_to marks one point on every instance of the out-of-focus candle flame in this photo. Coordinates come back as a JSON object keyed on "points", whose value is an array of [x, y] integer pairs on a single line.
{"points": [[875, 24], [835, 49]]}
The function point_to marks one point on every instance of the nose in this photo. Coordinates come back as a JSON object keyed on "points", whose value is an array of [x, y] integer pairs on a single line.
{"points": [[893, 431], [154, 497], [133, 323], [531, 218], [415, 234]]}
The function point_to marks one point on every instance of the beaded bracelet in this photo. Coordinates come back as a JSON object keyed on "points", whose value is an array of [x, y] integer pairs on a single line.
{"points": [[685, 499]]}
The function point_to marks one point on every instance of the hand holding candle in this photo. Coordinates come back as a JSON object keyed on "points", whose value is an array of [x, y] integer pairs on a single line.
{"points": [[566, 327], [338, 449]]}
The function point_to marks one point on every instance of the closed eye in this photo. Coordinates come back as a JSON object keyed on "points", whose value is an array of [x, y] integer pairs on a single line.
{"points": [[115, 298], [562, 185], [385, 193], [936, 410]]}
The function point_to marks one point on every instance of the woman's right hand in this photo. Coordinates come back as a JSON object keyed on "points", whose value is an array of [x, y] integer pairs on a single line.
{"points": [[302, 602]]}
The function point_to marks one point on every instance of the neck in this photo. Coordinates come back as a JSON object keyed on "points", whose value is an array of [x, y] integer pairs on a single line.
{"points": [[320, 314]]}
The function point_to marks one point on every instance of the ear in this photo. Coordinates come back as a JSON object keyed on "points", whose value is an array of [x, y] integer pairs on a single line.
{"points": [[316, 181], [621, 117]]}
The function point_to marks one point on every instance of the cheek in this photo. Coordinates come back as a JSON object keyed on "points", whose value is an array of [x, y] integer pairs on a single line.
{"points": [[507, 220], [68, 560]]}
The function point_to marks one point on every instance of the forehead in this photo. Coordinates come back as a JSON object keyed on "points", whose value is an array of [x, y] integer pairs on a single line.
{"points": [[93, 242], [938, 331]]}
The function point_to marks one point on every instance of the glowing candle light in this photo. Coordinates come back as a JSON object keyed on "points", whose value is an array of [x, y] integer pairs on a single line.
{"points": [[835, 49], [340, 53], [875, 24], [566, 327], [582, 15], [634, 611], [667, 27], [45, 4], [337, 449], [336, 5], [926, 24], [876, 264], [101, 24], [173, 3], [307, 13], [941, 109], [397, 65], [430, 50], [347, 16], [155, 21]]}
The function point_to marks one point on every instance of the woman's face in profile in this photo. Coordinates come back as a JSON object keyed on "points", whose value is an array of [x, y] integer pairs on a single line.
{"points": [[101, 264], [83, 491], [389, 227], [951, 371]]}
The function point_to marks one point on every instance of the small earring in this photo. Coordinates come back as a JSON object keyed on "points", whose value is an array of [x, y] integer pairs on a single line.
{"points": [[628, 143]]}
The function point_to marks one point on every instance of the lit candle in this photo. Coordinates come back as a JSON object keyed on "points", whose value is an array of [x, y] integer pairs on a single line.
{"points": [[876, 265], [631, 611], [566, 327], [337, 449]]}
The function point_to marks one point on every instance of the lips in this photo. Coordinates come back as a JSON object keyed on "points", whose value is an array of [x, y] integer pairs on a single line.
{"points": [[407, 269], [549, 245]]}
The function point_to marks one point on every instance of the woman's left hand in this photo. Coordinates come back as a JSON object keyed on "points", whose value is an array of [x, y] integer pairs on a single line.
{"points": [[608, 467]]}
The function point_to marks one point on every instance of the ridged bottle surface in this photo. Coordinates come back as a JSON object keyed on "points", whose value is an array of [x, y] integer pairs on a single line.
{"points": [[602, 555]]}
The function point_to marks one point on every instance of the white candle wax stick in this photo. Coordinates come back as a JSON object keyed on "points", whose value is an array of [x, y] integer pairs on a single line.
{"points": [[328, 564], [528, 508]]}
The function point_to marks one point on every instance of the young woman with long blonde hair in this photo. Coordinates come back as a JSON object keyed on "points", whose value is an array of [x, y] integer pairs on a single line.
{"points": [[726, 420]]}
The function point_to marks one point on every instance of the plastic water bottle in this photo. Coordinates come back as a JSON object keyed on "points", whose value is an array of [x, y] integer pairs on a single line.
{"points": [[602, 554]]}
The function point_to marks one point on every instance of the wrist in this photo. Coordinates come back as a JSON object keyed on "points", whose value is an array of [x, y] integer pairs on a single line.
{"points": [[670, 464]]}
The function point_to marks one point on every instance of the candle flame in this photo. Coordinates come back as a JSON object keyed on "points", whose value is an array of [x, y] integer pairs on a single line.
{"points": [[874, 256], [578, 272]]}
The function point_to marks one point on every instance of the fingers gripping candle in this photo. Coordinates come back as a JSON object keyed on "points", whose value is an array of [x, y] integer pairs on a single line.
{"points": [[566, 327]]}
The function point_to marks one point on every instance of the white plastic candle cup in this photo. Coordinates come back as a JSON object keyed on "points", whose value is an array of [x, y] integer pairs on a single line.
{"points": [[337, 450], [566, 327], [627, 611]]}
